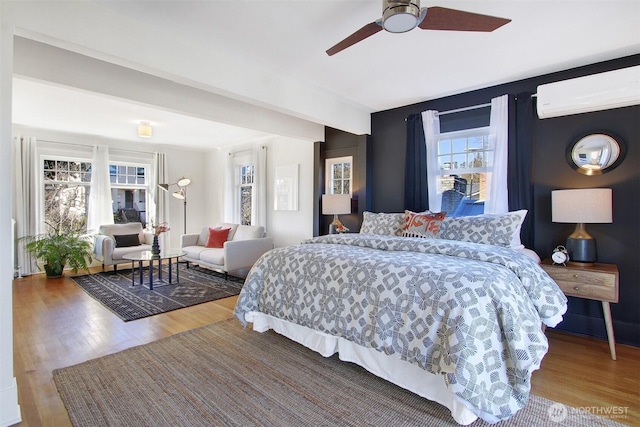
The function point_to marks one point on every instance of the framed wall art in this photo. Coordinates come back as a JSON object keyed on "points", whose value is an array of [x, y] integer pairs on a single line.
{"points": [[286, 188]]}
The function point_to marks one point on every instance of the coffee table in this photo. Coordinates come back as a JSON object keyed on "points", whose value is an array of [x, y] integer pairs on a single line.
{"points": [[172, 255]]}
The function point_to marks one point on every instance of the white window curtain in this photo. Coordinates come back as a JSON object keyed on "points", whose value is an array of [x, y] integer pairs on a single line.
{"points": [[260, 160], [100, 209], [229, 193], [431, 125], [497, 200], [26, 182], [159, 199]]}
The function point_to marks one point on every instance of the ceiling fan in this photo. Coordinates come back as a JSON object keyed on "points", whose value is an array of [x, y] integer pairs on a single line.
{"points": [[399, 16]]}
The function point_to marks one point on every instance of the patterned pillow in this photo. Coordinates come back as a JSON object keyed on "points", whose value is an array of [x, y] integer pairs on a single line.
{"points": [[491, 229], [385, 224], [424, 224]]}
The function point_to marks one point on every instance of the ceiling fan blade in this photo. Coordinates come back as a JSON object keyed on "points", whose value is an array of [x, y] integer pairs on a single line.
{"points": [[442, 18], [364, 32]]}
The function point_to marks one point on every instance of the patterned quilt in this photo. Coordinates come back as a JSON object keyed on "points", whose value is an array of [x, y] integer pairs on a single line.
{"points": [[467, 311]]}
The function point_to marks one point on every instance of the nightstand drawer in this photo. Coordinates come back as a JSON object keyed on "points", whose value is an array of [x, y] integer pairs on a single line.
{"points": [[576, 282]]}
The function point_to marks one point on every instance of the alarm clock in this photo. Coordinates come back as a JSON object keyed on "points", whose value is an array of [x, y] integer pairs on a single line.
{"points": [[560, 255]]}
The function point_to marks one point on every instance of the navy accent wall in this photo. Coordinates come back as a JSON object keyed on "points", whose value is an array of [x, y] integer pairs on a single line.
{"points": [[618, 243], [339, 144]]}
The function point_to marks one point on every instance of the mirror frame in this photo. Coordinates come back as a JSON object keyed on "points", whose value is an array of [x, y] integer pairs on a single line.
{"points": [[591, 172]]}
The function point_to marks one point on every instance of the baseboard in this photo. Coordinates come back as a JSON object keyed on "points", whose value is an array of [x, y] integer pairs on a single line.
{"points": [[624, 332], [9, 408]]}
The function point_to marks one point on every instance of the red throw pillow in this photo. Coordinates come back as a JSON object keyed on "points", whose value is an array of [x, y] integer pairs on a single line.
{"points": [[217, 237], [425, 224]]}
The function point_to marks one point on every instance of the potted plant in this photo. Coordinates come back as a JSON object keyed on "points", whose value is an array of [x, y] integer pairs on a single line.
{"points": [[58, 250]]}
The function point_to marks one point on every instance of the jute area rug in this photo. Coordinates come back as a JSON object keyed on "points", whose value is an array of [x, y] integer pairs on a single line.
{"points": [[223, 375], [196, 285]]}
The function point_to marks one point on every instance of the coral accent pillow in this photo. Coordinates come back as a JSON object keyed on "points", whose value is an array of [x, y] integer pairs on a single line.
{"points": [[424, 224], [217, 237]]}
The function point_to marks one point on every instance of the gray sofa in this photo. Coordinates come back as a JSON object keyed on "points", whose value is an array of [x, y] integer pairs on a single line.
{"points": [[244, 246]]}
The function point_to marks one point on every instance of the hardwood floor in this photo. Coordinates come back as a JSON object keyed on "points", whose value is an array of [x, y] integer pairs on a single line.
{"points": [[56, 324]]}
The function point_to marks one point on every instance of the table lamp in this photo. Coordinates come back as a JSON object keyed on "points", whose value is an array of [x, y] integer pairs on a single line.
{"points": [[336, 204], [583, 206]]}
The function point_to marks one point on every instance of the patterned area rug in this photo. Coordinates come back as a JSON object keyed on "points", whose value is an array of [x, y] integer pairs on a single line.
{"points": [[224, 375], [196, 285]]}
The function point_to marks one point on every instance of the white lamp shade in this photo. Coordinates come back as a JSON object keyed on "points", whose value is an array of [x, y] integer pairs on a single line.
{"points": [[183, 182], [336, 204], [589, 205]]}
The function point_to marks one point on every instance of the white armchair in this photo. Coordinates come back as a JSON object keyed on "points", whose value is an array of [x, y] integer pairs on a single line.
{"points": [[116, 240]]}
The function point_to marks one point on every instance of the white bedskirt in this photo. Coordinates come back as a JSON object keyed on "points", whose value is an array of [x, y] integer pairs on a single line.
{"points": [[397, 371]]}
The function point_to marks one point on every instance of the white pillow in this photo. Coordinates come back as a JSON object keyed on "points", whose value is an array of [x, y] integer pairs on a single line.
{"points": [[491, 229]]}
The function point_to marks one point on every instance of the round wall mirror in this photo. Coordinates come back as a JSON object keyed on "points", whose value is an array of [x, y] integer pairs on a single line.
{"points": [[595, 153]]}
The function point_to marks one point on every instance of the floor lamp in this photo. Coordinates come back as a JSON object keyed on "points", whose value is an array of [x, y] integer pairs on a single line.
{"points": [[180, 194]]}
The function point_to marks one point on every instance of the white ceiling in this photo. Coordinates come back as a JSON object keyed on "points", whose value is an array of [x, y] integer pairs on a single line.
{"points": [[46, 106], [272, 54]]}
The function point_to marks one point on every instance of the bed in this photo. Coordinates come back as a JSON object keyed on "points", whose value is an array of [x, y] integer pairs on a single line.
{"points": [[455, 321]]}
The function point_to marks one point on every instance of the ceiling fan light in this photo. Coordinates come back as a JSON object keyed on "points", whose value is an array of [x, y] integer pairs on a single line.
{"points": [[400, 18]]}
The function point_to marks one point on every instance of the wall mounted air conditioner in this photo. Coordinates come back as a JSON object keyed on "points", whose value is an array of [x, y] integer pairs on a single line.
{"points": [[603, 91]]}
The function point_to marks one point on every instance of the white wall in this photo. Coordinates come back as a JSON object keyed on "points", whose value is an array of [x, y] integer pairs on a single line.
{"points": [[285, 227], [190, 164], [290, 227], [214, 177]]}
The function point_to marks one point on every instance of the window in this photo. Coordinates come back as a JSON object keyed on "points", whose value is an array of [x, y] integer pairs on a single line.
{"points": [[339, 175], [245, 192], [129, 191], [465, 163], [127, 175], [246, 188], [66, 185]]}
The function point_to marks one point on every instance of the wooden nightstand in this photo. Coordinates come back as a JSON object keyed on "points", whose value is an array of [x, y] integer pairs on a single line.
{"points": [[595, 281]]}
